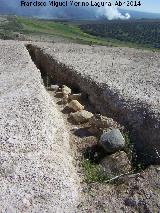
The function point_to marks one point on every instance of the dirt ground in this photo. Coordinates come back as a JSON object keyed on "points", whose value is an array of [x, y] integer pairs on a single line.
{"points": [[138, 192]]}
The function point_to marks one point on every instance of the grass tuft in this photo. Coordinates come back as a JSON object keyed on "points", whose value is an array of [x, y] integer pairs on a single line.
{"points": [[93, 172]]}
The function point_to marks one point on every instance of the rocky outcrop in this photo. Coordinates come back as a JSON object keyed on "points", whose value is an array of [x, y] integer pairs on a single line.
{"points": [[134, 105], [36, 168]]}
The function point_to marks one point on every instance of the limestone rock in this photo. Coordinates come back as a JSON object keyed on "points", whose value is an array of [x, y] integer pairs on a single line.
{"points": [[112, 141], [54, 87], [81, 116], [66, 90], [103, 122], [75, 105], [116, 164]]}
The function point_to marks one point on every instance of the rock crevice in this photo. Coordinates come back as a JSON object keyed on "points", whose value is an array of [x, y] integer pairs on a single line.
{"points": [[141, 118]]}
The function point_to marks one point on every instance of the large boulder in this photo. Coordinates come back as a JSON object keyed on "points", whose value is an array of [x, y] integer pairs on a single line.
{"points": [[112, 141], [116, 164], [75, 105], [81, 116]]}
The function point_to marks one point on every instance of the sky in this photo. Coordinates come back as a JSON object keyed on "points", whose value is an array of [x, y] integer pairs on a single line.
{"points": [[147, 5], [152, 6]]}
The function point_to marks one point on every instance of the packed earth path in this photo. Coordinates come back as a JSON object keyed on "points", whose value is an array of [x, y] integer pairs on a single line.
{"points": [[36, 167]]}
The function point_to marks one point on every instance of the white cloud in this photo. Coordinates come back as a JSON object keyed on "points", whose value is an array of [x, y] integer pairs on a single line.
{"points": [[112, 13]]}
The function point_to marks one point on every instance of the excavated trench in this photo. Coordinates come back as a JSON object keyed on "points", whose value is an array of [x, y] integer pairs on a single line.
{"points": [[145, 137]]}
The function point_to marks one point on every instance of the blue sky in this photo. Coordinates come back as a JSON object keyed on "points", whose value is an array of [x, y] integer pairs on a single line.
{"points": [[148, 6], [152, 6]]}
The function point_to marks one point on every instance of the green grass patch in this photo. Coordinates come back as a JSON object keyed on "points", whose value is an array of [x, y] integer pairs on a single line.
{"points": [[68, 31], [50, 30], [93, 172]]}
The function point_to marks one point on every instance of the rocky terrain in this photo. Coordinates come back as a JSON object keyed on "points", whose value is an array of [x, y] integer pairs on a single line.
{"points": [[63, 147], [130, 191], [120, 82], [36, 169]]}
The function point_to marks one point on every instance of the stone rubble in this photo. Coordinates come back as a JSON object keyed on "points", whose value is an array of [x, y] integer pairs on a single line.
{"points": [[66, 90], [75, 106], [81, 116]]}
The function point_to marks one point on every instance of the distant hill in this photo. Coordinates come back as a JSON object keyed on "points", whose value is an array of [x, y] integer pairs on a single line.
{"points": [[141, 15]]}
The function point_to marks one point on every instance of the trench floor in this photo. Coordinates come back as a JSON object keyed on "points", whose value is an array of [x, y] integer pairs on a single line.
{"points": [[137, 193], [127, 195]]}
